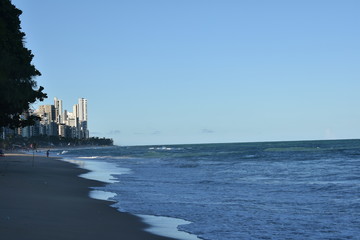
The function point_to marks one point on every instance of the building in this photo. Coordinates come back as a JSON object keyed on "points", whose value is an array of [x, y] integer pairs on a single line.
{"points": [[55, 121], [59, 112], [62, 130], [83, 118], [47, 113], [82, 106]]}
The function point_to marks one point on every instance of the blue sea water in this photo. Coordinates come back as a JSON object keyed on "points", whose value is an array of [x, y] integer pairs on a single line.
{"points": [[276, 190]]}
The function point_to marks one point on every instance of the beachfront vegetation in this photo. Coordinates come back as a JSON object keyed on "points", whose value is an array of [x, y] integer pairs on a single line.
{"points": [[17, 73], [19, 142]]}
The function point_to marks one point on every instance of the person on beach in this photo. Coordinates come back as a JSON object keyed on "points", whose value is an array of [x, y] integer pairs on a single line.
{"points": [[47, 153]]}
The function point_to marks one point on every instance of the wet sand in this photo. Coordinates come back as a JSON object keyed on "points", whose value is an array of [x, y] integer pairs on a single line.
{"points": [[48, 200]]}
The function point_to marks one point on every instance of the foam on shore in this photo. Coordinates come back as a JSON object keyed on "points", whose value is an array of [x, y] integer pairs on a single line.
{"points": [[102, 195], [104, 172], [99, 170], [167, 227]]}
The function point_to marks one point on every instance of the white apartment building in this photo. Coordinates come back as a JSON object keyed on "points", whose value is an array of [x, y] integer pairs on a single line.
{"points": [[59, 112], [82, 109]]}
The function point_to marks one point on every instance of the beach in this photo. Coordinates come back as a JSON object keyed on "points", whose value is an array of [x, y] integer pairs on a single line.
{"points": [[45, 199]]}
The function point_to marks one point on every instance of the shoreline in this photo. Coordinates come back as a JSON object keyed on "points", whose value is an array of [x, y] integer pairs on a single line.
{"points": [[51, 201], [104, 171]]}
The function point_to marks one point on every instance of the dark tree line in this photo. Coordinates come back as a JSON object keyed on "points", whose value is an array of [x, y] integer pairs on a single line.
{"points": [[18, 89], [16, 142]]}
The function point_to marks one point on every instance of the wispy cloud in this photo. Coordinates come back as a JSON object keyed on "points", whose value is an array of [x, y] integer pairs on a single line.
{"points": [[156, 132], [95, 133], [114, 132], [206, 130]]}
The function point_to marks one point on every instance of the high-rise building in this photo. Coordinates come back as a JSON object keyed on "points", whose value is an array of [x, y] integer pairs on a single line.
{"points": [[76, 111], [83, 117], [82, 109], [59, 112], [71, 120], [65, 116], [47, 113]]}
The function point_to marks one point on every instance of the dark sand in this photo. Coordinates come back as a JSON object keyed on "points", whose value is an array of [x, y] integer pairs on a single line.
{"points": [[49, 201]]}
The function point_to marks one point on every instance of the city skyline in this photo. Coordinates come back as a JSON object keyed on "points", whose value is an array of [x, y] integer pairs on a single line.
{"points": [[57, 121]]}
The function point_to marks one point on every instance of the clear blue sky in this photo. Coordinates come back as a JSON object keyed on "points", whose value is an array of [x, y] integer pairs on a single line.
{"points": [[199, 71]]}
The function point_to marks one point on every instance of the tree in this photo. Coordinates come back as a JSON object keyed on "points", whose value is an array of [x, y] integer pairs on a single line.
{"points": [[17, 73]]}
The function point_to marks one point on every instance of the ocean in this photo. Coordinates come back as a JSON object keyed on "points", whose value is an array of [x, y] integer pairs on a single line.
{"points": [[271, 190]]}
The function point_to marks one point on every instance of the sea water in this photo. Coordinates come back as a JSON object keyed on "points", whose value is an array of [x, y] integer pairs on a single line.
{"points": [[278, 190]]}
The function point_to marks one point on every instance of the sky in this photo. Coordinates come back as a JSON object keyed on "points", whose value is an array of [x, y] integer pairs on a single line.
{"points": [[201, 71]]}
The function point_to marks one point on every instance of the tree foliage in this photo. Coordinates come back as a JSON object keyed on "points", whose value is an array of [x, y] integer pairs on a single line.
{"points": [[44, 141], [17, 73]]}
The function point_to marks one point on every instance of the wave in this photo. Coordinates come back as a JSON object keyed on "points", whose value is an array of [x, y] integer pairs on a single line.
{"points": [[92, 157], [62, 152], [106, 157], [100, 170], [165, 148], [167, 226], [189, 165], [292, 149]]}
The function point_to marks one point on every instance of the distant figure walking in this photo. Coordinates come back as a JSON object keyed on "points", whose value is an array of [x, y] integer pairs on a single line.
{"points": [[47, 153]]}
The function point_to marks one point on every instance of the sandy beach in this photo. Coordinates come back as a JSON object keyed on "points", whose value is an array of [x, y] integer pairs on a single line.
{"points": [[48, 200]]}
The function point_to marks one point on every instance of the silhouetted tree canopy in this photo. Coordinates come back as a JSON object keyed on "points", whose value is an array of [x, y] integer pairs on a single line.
{"points": [[17, 84], [44, 141]]}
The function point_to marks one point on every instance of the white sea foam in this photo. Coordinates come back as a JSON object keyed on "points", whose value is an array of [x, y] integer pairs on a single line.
{"points": [[167, 226], [102, 195], [62, 152], [164, 148], [92, 157], [105, 157], [100, 170]]}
